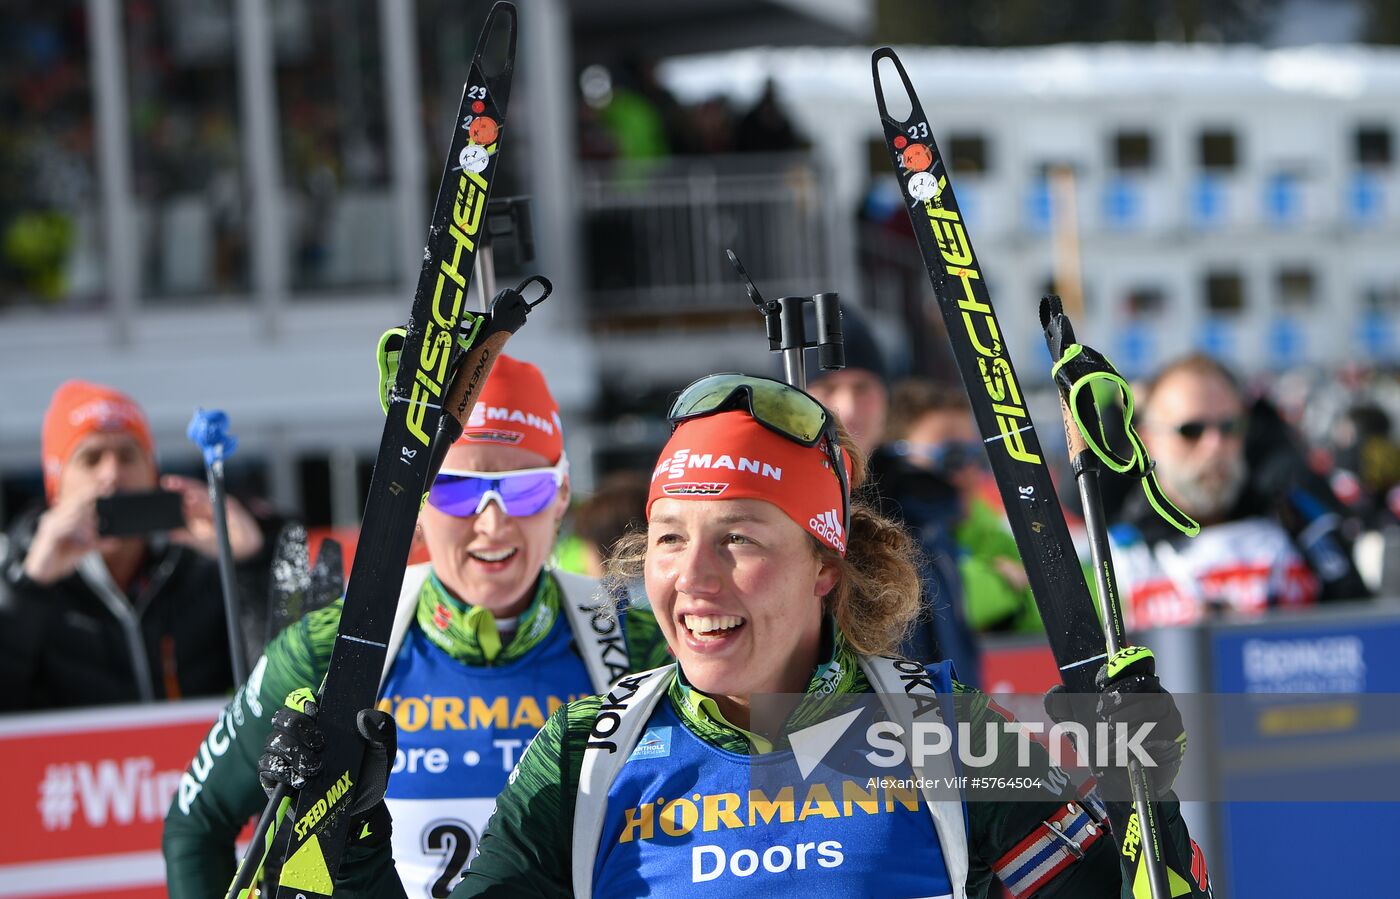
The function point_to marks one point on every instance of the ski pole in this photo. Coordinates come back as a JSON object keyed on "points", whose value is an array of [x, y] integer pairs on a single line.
{"points": [[265, 831], [486, 274], [209, 431], [1087, 479], [506, 217], [1076, 369]]}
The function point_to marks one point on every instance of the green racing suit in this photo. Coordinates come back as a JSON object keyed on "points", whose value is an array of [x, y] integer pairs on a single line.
{"points": [[220, 791], [527, 847]]}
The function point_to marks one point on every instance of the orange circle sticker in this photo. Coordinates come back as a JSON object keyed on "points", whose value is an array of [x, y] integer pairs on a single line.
{"points": [[483, 130], [917, 158]]}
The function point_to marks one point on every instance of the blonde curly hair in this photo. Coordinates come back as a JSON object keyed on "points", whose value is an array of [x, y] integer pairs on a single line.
{"points": [[876, 597]]}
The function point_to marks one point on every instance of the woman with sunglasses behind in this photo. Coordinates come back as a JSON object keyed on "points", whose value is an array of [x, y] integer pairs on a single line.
{"points": [[780, 599], [487, 642]]}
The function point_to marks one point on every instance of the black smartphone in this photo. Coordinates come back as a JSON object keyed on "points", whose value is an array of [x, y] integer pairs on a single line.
{"points": [[135, 514]]}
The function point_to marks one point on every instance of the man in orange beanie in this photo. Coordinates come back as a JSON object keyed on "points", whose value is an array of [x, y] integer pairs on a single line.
{"points": [[87, 619]]}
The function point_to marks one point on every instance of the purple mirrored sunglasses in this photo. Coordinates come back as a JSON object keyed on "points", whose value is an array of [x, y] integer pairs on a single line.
{"points": [[519, 493]]}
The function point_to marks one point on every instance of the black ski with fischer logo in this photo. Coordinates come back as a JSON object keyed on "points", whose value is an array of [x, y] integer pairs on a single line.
{"points": [[1033, 509], [446, 355]]}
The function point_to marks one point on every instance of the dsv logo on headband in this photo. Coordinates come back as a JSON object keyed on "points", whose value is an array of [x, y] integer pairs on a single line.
{"points": [[828, 526], [683, 459], [695, 488]]}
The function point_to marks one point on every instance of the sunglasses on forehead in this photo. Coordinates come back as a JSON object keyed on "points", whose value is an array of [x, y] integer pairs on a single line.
{"points": [[520, 493], [779, 407], [1195, 429]]}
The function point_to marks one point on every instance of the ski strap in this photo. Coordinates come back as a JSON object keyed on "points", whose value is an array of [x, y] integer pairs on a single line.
{"points": [[630, 703], [1077, 369], [390, 347], [600, 637], [511, 305]]}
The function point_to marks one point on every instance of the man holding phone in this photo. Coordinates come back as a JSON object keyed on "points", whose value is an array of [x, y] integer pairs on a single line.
{"points": [[112, 593]]}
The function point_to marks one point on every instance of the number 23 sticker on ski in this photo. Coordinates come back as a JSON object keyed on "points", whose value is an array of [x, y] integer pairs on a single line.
{"points": [[482, 130]]}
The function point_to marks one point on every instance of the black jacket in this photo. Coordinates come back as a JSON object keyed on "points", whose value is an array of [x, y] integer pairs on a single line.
{"points": [[929, 506], [73, 643]]}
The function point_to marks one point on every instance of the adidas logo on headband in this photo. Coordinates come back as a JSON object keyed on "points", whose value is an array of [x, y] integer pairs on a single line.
{"points": [[828, 526]]}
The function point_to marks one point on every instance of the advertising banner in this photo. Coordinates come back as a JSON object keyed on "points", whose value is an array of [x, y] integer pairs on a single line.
{"points": [[86, 794]]}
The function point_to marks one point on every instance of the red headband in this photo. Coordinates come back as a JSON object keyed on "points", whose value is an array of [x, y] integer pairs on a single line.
{"points": [[732, 456], [516, 409]]}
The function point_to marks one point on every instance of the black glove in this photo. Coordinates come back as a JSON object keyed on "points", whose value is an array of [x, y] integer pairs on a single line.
{"points": [[1129, 695], [293, 752]]}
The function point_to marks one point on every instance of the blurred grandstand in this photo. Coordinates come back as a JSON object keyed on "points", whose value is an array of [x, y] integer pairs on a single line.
{"points": [[223, 191]]}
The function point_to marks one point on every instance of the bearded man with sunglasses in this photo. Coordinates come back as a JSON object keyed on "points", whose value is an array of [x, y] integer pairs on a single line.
{"points": [[487, 642], [1266, 538]]}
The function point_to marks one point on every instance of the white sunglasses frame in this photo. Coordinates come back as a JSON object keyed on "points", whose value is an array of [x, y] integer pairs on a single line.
{"points": [[559, 469]]}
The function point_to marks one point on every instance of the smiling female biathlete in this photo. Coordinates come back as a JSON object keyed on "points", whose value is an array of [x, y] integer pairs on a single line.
{"points": [[487, 642], [766, 579]]}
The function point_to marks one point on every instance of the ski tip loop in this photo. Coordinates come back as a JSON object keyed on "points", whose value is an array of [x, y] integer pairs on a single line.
{"points": [[208, 430], [1078, 367], [914, 109], [501, 11]]}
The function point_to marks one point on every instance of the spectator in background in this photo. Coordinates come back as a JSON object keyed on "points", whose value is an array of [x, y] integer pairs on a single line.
{"points": [[1270, 534], [932, 427], [766, 128], [619, 503], [923, 501], [87, 619], [712, 126], [1366, 465], [642, 118]]}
